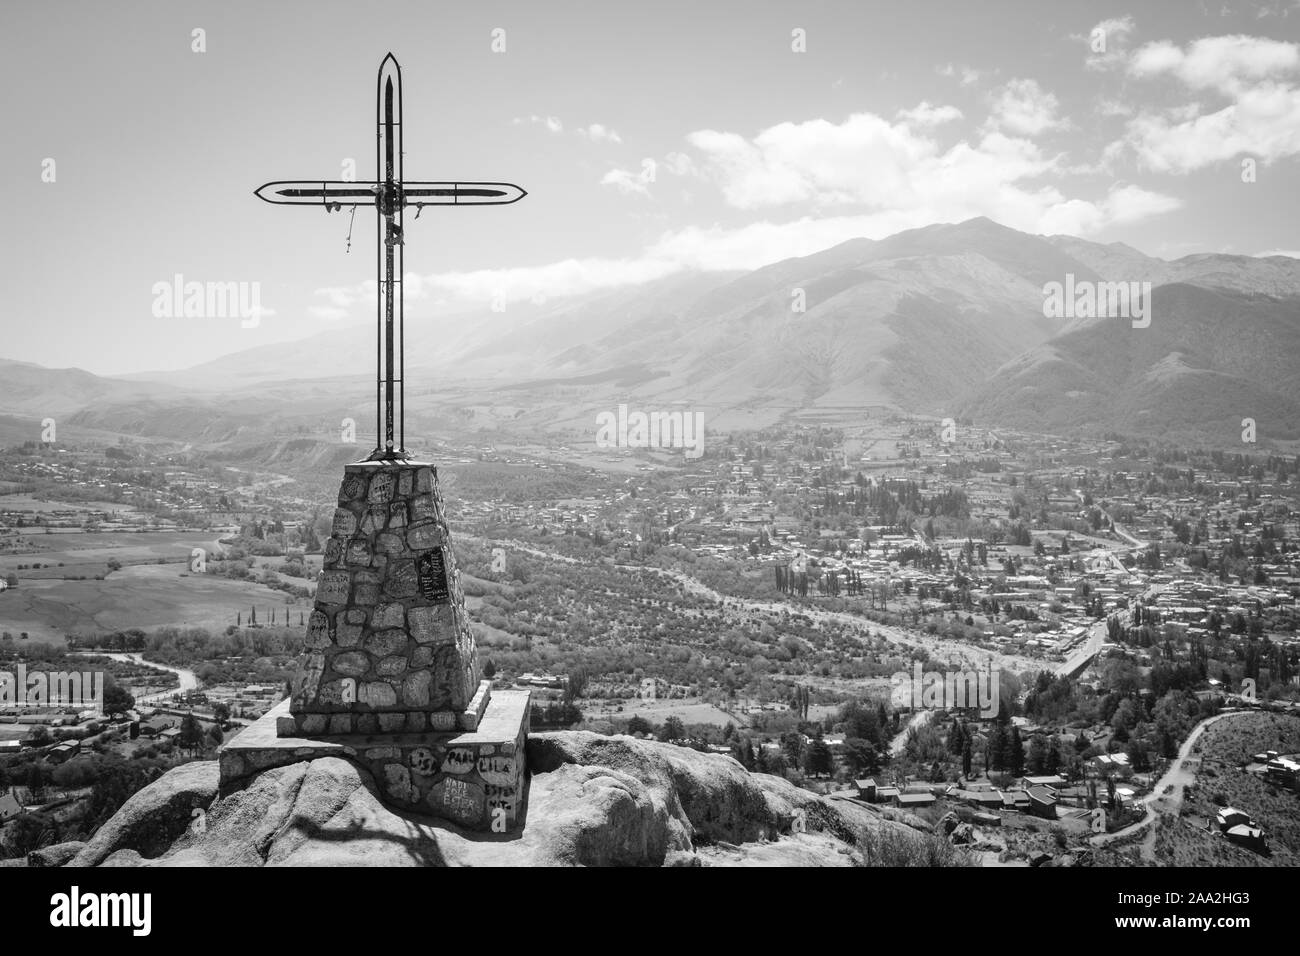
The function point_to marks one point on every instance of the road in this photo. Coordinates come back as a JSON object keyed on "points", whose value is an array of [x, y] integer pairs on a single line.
{"points": [[188, 680], [1179, 775], [917, 721]]}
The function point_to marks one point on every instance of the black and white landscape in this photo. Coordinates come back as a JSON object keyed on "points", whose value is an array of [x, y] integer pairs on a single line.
{"points": [[871, 436]]}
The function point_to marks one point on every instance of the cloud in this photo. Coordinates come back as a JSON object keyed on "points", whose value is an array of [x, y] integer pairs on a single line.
{"points": [[1024, 108], [330, 313], [552, 123], [967, 76], [1229, 64], [1292, 253], [1261, 120], [626, 181], [923, 114], [1107, 42], [599, 133]]}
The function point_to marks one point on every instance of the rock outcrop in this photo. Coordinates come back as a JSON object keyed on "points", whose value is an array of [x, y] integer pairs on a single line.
{"points": [[592, 801]]}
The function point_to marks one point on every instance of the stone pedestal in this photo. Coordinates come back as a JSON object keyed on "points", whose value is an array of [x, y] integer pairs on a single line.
{"points": [[388, 644], [389, 671]]}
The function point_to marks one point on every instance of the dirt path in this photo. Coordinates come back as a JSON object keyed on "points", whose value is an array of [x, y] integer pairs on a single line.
{"points": [[899, 743], [1181, 773]]}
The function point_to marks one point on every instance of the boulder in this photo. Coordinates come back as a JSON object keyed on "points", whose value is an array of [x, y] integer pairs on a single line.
{"points": [[150, 822]]}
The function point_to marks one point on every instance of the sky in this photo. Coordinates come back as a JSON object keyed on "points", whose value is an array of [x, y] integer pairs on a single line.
{"points": [[652, 138]]}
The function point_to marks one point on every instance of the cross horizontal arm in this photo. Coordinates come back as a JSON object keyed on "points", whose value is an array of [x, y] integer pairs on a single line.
{"points": [[314, 193]]}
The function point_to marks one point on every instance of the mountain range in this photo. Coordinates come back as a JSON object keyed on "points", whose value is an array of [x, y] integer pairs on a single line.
{"points": [[945, 320]]}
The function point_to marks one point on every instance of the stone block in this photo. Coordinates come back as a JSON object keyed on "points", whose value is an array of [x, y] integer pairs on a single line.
{"points": [[381, 488], [386, 642], [421, 537], [333, 587], [387, 615], [340, 723], [345, 523], [376, 694], [391, 666], [415, 689], [458, 800], [351, 663]]}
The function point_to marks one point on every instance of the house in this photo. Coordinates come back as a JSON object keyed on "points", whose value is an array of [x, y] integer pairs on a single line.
{"points": [[887, 794], [1251, 837], [866, 789], [1282, 771], [154, 726], [987, 799], [1015, 800], [1042, 802], [1229, 817], [63, 751], [914, 800], [1053, 781]]}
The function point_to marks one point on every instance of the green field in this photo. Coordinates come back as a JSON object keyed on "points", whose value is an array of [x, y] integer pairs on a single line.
{"points": [[144, 596]]}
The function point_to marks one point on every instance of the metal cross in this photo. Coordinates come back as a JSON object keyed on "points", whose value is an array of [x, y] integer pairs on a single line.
{"points": [[390, 195]]}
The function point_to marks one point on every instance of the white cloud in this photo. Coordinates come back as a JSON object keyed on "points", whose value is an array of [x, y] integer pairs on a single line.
{"points": [[330, 313], [1229, 64], [1261, 119], [552, 123], [967, 76], [923, 114], [626, 181], [1024, 108], [1292, 253], [599, 133]]}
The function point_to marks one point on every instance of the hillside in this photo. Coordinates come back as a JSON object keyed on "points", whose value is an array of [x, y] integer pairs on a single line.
{"points": [[1210, 358], [938, 321]]}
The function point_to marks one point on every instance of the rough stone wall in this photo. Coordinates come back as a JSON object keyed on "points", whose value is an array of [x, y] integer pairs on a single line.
{"points": [[479, 786], [388, 646]]}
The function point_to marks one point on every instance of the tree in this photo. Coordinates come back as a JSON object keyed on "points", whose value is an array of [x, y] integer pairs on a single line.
{"points": [[116, 698], [639, 725], [489, 669], [576, 684], [861, 756], [221, 712], [1016, 753], [673, 729], [818, 759], [1037, 761], [191, 735]]}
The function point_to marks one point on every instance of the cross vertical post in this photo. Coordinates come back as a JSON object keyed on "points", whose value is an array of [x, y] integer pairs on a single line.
{"points": [[390, 194]]}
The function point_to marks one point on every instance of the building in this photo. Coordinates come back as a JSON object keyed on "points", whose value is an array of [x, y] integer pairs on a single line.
{"points": [[1282, 771], [1042, 802], [1251, 837], [1229, 817], [64, 751]]}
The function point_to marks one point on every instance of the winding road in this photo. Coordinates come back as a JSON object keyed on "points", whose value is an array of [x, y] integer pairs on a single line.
{"points": [[1181, 773]]}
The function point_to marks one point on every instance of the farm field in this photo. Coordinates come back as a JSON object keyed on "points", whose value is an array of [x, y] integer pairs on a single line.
{"points": [[144, 596]]}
